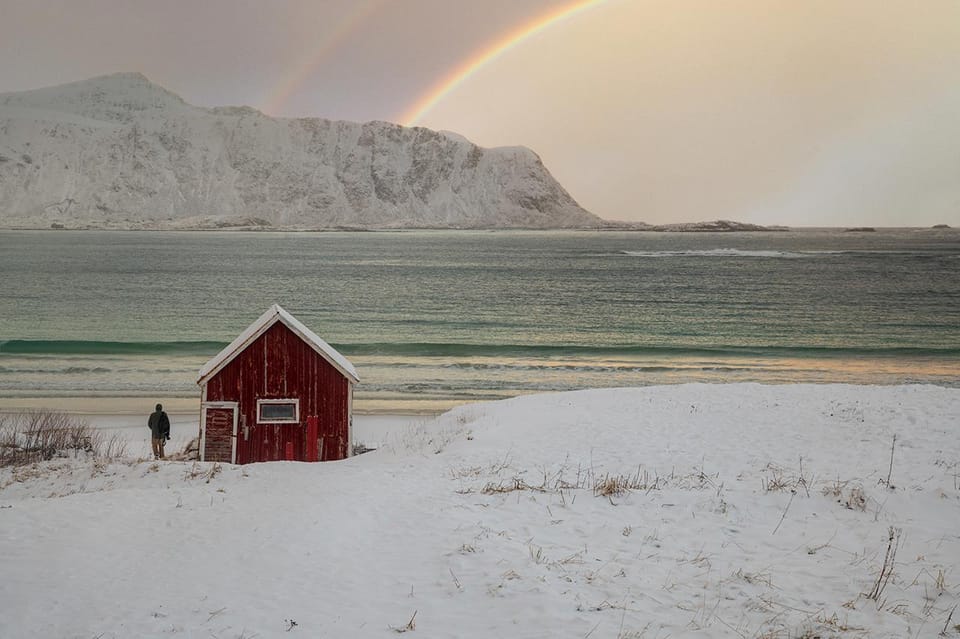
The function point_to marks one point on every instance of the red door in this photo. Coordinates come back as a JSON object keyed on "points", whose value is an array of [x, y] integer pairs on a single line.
{"points": [[219, 434]]}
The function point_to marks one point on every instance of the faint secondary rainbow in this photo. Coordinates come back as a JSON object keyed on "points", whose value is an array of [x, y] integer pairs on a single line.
{"points": [[317, 55], [491, 52]]}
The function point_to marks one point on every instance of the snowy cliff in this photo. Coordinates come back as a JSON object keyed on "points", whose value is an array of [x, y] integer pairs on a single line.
{"points": [[121, 152]]}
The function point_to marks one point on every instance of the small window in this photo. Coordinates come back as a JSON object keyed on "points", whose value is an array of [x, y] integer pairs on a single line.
{"points": [[278, 411]]}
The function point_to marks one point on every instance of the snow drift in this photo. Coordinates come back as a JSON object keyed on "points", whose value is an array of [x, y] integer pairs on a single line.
{"points": [[684, 511]]}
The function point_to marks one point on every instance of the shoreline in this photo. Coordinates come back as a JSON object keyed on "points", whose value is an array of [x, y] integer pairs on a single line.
{"points": [[614, 226], [143, 405]]}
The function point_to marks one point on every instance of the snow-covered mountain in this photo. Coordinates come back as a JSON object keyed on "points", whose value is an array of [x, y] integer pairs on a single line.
{"points": [[121, 152]]}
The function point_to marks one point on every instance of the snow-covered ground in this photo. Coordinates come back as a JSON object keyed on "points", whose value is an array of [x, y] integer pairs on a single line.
{"points": [[743, 511], [369, 430]]}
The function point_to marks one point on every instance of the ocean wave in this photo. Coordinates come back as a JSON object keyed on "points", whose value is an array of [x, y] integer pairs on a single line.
{"points": [[84, 347], [721, 252], [776, 254], [467, 350], [461, 350], [70, 370]]}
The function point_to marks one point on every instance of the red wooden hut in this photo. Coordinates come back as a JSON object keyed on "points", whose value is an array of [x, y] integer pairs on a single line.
{"points": [[276, 392]]}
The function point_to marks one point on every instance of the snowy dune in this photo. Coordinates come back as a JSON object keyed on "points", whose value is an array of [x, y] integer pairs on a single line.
{"points": [[752, 511]]}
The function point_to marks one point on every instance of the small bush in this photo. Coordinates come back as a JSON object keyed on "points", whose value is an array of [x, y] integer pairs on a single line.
{"points": [[34, 436]]}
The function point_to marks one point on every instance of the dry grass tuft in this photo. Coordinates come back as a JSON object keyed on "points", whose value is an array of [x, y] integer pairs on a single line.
{"points": [[423, 437], [196, 471], [776, 481], [35, 436], [190, 452], [779, 479], [886, 569], [410, 626], [855, 498], [614, 486], [508, 487]]}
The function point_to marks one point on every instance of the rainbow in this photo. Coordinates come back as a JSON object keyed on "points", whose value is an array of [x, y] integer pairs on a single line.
{"points": [[491, 52], [317, 55]]}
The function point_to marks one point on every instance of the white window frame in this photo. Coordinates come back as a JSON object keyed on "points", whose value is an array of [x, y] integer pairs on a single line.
{"points": [[296, 411]]}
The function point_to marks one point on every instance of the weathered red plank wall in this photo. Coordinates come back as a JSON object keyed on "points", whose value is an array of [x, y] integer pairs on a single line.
{"points": [[280, 365]]}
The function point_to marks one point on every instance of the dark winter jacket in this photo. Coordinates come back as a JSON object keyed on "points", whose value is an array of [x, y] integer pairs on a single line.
{"points": [[159, 425]]}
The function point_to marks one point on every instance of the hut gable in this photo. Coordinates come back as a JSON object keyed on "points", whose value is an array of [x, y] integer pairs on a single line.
{"points": [[273, 315]]}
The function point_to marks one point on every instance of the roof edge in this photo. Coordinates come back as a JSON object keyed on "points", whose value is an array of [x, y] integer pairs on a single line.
{"points": [[275, 314]]}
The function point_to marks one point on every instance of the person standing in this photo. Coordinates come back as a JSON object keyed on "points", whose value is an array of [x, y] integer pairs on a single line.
{"points": [[159, 425]]}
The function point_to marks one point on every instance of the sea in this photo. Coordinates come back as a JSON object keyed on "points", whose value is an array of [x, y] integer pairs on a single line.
{"points": [[432, 319]]}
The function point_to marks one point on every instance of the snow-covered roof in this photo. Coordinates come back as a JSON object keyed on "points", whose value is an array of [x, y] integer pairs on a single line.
{"points": [[273, 315]]}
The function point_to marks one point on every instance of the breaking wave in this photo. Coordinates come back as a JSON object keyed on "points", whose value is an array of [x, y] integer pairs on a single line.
{"points": [[458, 350], [774, 254], [80, 347], [721, 253], [462, 350]]}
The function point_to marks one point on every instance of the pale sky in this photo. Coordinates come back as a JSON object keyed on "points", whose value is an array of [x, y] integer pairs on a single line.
{"points": [[810, 113]]}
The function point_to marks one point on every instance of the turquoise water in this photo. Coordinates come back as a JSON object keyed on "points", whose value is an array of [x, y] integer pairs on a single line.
{"points": [[446, 317]]}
